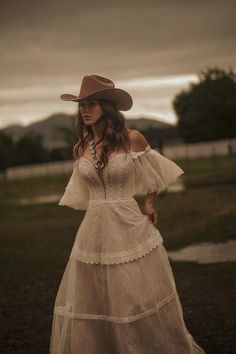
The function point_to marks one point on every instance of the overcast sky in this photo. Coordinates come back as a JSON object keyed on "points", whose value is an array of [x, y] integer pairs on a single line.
{"points": [[152, 49]]}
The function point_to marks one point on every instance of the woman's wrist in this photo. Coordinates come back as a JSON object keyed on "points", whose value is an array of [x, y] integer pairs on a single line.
{"points": [[150, 197]]}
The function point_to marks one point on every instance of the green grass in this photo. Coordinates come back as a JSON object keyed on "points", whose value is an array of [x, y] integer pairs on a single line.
{"points": [[12, 190], [217, 164], [36, 242], [209, 171], [197, 215]]}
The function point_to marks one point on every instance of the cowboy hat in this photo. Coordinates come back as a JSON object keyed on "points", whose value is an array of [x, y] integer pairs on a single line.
{"points": [[99, 87]]}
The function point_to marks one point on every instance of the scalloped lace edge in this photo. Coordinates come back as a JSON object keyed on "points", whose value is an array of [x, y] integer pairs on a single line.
{"points": [[60, 311], [122, 257]]}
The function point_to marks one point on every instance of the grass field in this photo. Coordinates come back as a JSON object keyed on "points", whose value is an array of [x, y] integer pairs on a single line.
{"points": [[204, 165], [36, 242]]}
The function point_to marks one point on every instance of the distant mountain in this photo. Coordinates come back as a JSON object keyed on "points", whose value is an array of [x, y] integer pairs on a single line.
{"points": [[48, 128], [145, 123]]}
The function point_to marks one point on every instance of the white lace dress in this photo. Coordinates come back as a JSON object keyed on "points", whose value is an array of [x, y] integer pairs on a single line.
{"points": [[118, 294]]}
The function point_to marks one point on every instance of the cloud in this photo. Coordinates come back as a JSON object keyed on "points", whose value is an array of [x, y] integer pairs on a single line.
{"points": [[47, 47]]}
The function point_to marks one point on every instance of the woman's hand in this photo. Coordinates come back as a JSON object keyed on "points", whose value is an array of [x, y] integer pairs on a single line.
{"points": [[151, 212]]}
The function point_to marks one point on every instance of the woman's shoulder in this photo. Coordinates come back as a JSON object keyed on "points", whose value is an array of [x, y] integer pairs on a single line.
{"points": [[138, 140]]}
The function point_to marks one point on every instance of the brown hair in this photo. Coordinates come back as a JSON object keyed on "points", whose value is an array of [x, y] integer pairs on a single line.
{"points": [[112, 124]]}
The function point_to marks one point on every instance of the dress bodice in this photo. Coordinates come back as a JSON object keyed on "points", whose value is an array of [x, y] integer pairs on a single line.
{"points": [[115, 181]]}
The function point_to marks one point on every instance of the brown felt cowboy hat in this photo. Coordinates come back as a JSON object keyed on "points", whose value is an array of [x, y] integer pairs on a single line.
{"points": [[99, 87]]}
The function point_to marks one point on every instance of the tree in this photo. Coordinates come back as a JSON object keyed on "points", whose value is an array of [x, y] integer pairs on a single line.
{"points": [[6, 151], [29, 150], [207, 110], [70, 138]]}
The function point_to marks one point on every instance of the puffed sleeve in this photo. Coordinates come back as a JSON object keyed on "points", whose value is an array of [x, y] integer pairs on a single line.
{"points": [[153, 171], [76, 195]]}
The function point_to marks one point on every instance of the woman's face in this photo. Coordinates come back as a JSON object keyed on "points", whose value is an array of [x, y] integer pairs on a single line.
{"points": [[90, 110]]}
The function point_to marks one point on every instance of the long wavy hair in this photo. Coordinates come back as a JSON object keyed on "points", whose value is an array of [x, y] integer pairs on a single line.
{"points": [[112, 126]]}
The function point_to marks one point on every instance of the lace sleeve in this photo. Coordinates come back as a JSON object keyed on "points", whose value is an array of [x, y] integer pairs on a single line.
{"points": [[153, 171], [76, 193]]}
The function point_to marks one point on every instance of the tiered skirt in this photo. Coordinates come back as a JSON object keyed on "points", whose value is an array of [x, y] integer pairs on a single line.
{"points": [[124, 308]]}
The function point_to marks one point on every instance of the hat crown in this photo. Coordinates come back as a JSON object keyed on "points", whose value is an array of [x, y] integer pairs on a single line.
{"points": [[94, 83]]}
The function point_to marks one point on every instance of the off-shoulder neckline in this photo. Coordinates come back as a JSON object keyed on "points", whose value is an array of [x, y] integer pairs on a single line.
{"points": [[132, 153]]}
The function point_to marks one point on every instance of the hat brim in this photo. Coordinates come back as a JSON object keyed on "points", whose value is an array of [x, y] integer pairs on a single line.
{"points": [[121, 98]]}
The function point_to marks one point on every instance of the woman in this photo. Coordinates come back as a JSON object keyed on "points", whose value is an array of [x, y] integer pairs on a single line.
{"points": [[118, 293]]}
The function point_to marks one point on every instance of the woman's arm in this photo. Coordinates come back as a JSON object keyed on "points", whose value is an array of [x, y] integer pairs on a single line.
{"points": [[150, 209], [139, 143]]}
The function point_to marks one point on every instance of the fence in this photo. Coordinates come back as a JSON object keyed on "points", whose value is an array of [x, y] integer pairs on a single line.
{"points": [[199, 150], [39, 170]]}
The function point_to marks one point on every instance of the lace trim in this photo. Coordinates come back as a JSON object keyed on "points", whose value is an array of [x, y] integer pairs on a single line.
{"points": [[117, 257], [63, 311], [136, 154]]}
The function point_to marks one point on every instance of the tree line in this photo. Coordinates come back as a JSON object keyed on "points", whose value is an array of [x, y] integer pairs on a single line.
{"points": [[28, 150]]}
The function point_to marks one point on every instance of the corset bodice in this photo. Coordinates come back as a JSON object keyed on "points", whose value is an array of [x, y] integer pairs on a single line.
{"points": [[115, 181]]}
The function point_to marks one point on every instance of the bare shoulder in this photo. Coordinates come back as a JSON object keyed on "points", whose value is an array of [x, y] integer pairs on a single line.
{"points": [[139, 142]]}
